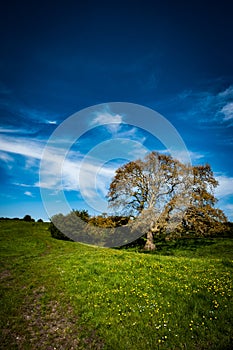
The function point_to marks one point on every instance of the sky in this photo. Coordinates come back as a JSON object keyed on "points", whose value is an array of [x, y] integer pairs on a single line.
{"points": [[59, 59]]}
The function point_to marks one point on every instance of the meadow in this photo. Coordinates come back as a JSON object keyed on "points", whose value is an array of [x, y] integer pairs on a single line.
{"points": [[65, 295]]}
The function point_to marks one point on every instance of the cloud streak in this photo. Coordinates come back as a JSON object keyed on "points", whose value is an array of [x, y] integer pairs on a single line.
{"points": [[227, 111], [22, 146], [208, 107]]}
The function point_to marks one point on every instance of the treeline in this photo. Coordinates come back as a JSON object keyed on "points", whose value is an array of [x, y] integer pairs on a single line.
{"points": [[26, 218], [114, 231]]}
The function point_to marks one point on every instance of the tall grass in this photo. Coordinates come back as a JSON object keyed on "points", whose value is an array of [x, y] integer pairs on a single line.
{"points": [[64, 295]]}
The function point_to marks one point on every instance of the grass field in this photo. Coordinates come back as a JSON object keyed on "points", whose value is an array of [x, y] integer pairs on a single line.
{"points": [[64, 295]]}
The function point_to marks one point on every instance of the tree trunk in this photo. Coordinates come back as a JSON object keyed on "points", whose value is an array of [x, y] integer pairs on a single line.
{"points": [[149, 241]]}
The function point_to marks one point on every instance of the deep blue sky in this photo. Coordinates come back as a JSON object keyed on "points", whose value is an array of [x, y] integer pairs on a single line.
{"points": [[60, 57]]}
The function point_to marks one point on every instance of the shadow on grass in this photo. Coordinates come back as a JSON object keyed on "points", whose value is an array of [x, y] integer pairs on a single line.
{"points": [[185, 246]]}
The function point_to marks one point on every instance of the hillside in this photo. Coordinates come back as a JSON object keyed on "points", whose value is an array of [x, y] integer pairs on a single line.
{"points": [[64, 295]]}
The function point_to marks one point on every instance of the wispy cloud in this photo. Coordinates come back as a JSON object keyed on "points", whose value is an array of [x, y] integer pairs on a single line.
{"points": [[196, 155], [131, 133], [16, 114], [106, 118], [110, 120], [6, 157], [208, 106], [37, 115], [10, 131], [22, 146], [88, 177], [94, 177], [227, 111], [57, 167], [22, 184], [28, 193], [227, 93]]}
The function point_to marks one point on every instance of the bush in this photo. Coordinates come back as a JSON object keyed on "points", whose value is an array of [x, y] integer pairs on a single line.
{"points": [[28, 218], [55, 232]]}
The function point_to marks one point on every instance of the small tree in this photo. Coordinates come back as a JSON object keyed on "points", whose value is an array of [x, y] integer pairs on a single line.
{"points": [[28, 218], [55, 227]]}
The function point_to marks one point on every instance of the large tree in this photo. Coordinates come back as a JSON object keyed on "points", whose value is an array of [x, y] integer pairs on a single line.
{"points": [[162, 195]]}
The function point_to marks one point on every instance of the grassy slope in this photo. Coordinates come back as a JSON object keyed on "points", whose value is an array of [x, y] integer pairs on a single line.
{"points": [[63, 295]]}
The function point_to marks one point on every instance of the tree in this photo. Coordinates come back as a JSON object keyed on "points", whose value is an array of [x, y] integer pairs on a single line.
{"points": [[163, 195], [76, 226], [68, 227], [28, 218], [82, 214], [201, 217], [56, 227]]}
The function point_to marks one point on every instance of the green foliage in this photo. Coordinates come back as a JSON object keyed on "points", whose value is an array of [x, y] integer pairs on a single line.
{"points": [[56, 233], [28, 218], [69, 295], [82, 214], [68, 227], [87, 229]]}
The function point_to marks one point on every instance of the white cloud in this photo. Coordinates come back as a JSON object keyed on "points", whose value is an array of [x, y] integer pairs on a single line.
{"points": [[53, 122], [28, 193], [196, 156], [21, 146], [222, 103], [110, 121], [228, 93], [94, 181], [227, 110], [131, 134], [135, 149], [22, 184], [207, 103], [107, 118], [225, 187], [32, 150], [11, 131], [56, 169]]}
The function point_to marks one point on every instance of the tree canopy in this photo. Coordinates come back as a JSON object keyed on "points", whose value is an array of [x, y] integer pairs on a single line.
{"points": [[164, 196]]}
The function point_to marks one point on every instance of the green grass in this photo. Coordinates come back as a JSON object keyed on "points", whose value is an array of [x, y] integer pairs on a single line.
{"points": [[64, 295]]}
